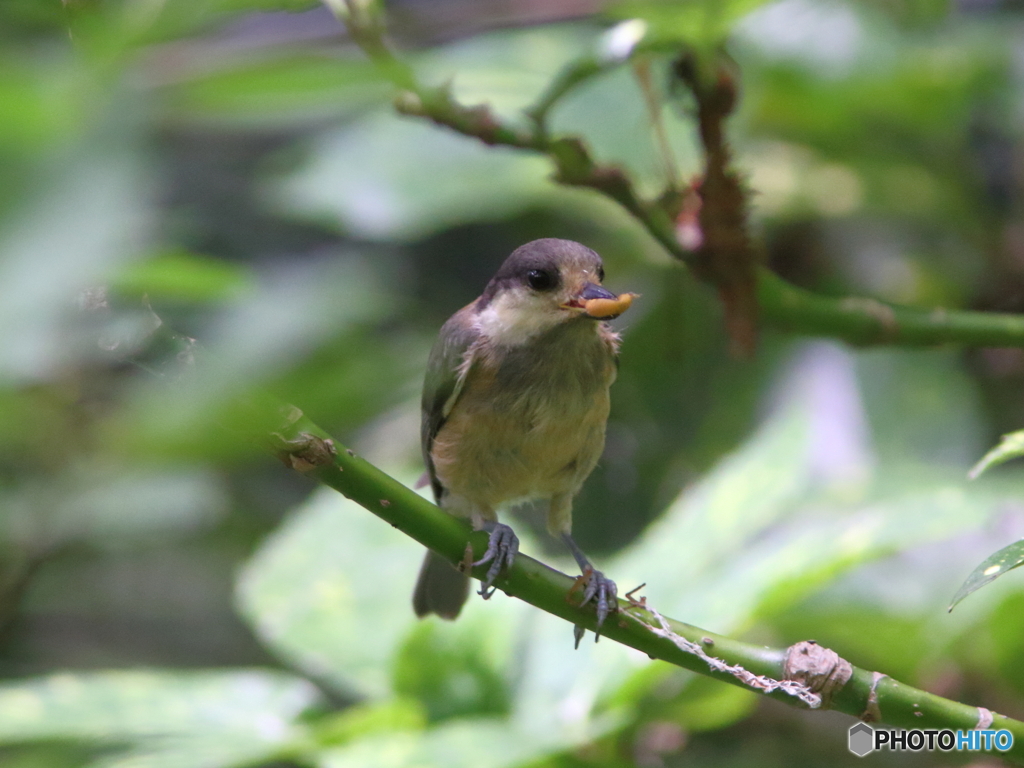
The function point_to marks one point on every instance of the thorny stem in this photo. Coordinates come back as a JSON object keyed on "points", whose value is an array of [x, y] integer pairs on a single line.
{"points": [[725, 255], [653, 104], [861, 321], [868, 695]]}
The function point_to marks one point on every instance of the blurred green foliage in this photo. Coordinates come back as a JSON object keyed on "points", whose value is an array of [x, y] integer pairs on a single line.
{"points": [[231, 172]]}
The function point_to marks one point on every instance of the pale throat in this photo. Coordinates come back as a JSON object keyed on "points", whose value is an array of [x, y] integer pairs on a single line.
{"points": [[514, 318]]}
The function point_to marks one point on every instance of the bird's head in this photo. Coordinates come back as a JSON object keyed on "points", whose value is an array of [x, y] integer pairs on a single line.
{"points": [[543, 284]]}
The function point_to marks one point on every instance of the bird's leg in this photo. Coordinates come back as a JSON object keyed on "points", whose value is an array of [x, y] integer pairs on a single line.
{"points": [[598, 587], [502, 548]]}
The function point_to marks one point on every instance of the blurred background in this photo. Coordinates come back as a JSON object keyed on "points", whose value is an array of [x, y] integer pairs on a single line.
{"points": [[204, 200]]}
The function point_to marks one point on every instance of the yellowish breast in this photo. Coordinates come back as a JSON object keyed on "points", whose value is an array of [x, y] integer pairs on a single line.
{"points": [[528, 424]]}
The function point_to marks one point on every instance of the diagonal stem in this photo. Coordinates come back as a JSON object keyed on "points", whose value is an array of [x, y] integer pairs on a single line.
{"points": [[862, 321], [862, 693]]}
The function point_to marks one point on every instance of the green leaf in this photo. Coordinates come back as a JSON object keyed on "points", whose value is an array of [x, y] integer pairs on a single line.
{"points": [[807, 497], [182, 276], [61, 754], [245, 6], [1006, 559], [39, 105], [692, 21], [813, 552], [451, 673], [296, 317], [127, 704], [1010, 447], [113, 508], [898, 641], [331, 593], [1005, 625], [475, 743], [699, 540], [386, 178], [315, 593], [87, 220], [608, 111], [200, 719], [299, 86], [362, 720], [796, 505], [705, 705]]}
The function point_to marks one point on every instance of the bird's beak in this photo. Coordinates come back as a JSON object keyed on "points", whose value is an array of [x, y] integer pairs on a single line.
{"points": [[595, 301]]}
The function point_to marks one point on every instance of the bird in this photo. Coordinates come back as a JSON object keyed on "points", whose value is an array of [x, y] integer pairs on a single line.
{"points": [[514, 408]]}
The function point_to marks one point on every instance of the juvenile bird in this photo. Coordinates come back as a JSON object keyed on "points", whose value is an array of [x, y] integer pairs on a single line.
{"points": [[515, 403]]}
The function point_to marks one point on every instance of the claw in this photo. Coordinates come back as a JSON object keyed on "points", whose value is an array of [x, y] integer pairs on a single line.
{"points": [[604, 592], [578, 631], [502, 548], [597, 587]]}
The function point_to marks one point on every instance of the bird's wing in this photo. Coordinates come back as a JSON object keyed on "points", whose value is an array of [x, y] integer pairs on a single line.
{"points": [[449, 362]]}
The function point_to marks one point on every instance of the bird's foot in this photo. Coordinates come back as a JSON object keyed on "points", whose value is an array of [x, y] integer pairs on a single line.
{"points": [[304, 452], [602, 591], [502, 548], [578, 631]]}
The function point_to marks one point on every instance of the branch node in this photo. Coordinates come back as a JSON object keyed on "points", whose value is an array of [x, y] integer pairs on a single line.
{"points": [[872, 712], [465, 565], [305, 452], [716, 229], [882, 314], [409, 103], [821, 669], [762, 683], [572, 161]]}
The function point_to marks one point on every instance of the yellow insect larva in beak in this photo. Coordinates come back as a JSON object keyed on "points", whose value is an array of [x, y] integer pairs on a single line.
{"points": [[603, 308]]}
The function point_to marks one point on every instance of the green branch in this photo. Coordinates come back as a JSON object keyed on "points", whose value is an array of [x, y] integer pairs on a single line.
{"points": [[586, 68], [781, 304], [803, 675], [799, 675], [868, 321]]}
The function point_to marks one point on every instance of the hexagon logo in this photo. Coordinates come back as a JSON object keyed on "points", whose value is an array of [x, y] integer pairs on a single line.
{"points": [[861, 739]]}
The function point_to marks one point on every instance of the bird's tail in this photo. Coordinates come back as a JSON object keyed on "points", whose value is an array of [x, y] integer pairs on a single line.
{"points": [[440, 588]]}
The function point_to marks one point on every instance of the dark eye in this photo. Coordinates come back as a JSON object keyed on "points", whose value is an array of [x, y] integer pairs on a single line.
{"points": [[600, 274], [541, 279]]}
